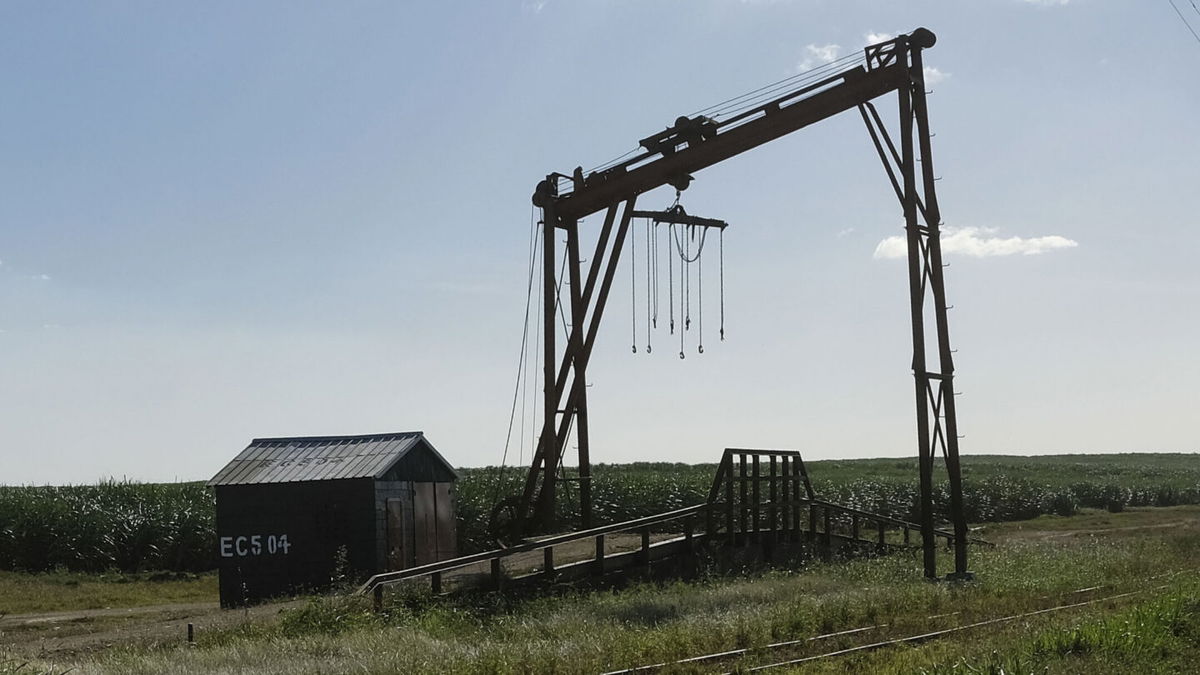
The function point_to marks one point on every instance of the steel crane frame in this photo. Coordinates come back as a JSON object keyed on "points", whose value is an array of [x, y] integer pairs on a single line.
{"points": [[670, 158]]}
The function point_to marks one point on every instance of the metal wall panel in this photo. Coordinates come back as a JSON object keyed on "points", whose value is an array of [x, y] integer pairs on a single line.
{"points": [[447, 527], [283, 539], [425, 523]]}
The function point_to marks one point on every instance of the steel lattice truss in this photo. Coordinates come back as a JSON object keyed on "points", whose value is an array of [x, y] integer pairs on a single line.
{"points": [[670, 158]]}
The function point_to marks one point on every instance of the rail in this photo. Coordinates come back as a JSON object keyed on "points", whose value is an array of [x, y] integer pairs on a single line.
{"points": [[648, 550], [380, 580], [907, 525]]}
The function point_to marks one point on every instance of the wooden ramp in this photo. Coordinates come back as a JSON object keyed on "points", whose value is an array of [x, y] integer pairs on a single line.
{"points": [[761, 506]]}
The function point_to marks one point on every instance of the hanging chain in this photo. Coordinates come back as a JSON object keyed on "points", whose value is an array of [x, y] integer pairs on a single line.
{"points": [[688, 236], [633, 288], [649, 296], [700, 301], [671, 275], [654, 241], [721, 256]]}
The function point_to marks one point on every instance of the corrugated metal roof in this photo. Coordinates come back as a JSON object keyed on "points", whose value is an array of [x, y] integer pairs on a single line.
{"points": [[290, 460]]}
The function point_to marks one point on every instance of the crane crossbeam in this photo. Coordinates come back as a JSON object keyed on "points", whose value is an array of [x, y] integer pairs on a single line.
{"points": [[708, 143]]}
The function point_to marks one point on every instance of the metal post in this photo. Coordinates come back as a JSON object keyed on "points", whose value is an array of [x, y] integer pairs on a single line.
{"points": [[548, 560], [937, 285], [916, 288], [435, 583], [579, 381], [545, 515], [599, 555]]}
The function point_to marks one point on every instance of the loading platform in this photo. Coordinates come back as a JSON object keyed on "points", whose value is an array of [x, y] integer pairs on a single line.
{"points": [[761, 506]]}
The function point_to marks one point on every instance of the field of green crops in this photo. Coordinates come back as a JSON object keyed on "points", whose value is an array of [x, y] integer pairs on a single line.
{"points": [[136, 527]]}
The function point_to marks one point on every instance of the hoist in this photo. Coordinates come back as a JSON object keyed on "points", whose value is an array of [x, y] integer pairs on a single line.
{"points": [[671, 157]]}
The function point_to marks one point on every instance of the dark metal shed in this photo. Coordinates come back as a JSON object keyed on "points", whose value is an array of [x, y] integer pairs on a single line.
{"points": [[294, 514]]}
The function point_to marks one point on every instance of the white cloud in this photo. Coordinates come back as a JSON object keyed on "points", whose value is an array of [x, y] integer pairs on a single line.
{"points": [[816, 55], [1046, 3], [978, 242], [41, 277], [874, 38], [533, 6], [846, 232], [934, 76]]}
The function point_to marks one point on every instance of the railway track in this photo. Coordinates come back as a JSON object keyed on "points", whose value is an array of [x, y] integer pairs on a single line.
{"points": [[792, 645]]}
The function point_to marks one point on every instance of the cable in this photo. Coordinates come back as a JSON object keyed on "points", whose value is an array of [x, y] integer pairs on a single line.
{"points": [[807, 78], [520, 362], [1184, 20], [805, 75], [558, 303], [743, 102]]}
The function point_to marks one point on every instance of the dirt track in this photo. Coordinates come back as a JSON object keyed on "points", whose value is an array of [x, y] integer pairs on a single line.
{"points": [[59, 634]]}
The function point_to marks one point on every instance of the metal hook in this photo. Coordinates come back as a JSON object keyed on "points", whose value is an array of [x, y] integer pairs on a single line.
{"points": [[700, 349], [635, 349], [681, 355], [648, 349]]}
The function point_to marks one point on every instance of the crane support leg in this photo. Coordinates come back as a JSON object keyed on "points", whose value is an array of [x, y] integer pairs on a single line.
{"points": [[937, 426], [569, 377]]}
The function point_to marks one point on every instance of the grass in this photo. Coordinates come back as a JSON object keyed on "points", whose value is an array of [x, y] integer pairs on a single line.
{"points": [[68, 591], [649, 623]]}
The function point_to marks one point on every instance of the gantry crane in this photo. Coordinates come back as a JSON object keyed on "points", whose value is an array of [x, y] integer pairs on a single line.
{"points": [[670, 158]]}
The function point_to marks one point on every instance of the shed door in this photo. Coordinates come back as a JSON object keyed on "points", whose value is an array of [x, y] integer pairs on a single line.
{"points": [[447, 537], [397, 558], [425, 523]]}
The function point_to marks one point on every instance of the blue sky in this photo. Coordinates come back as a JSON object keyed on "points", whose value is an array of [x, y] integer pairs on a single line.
{"points": [[230, 220]]}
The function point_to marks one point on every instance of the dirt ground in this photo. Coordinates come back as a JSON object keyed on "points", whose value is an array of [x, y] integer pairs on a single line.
{"points": [[64, 634], [54, 635]]}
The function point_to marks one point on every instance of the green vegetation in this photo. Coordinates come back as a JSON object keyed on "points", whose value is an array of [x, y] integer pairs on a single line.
{"points": [[60, 591], [1151, 551], [133, 526], [997, 488], [111, 526]]}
